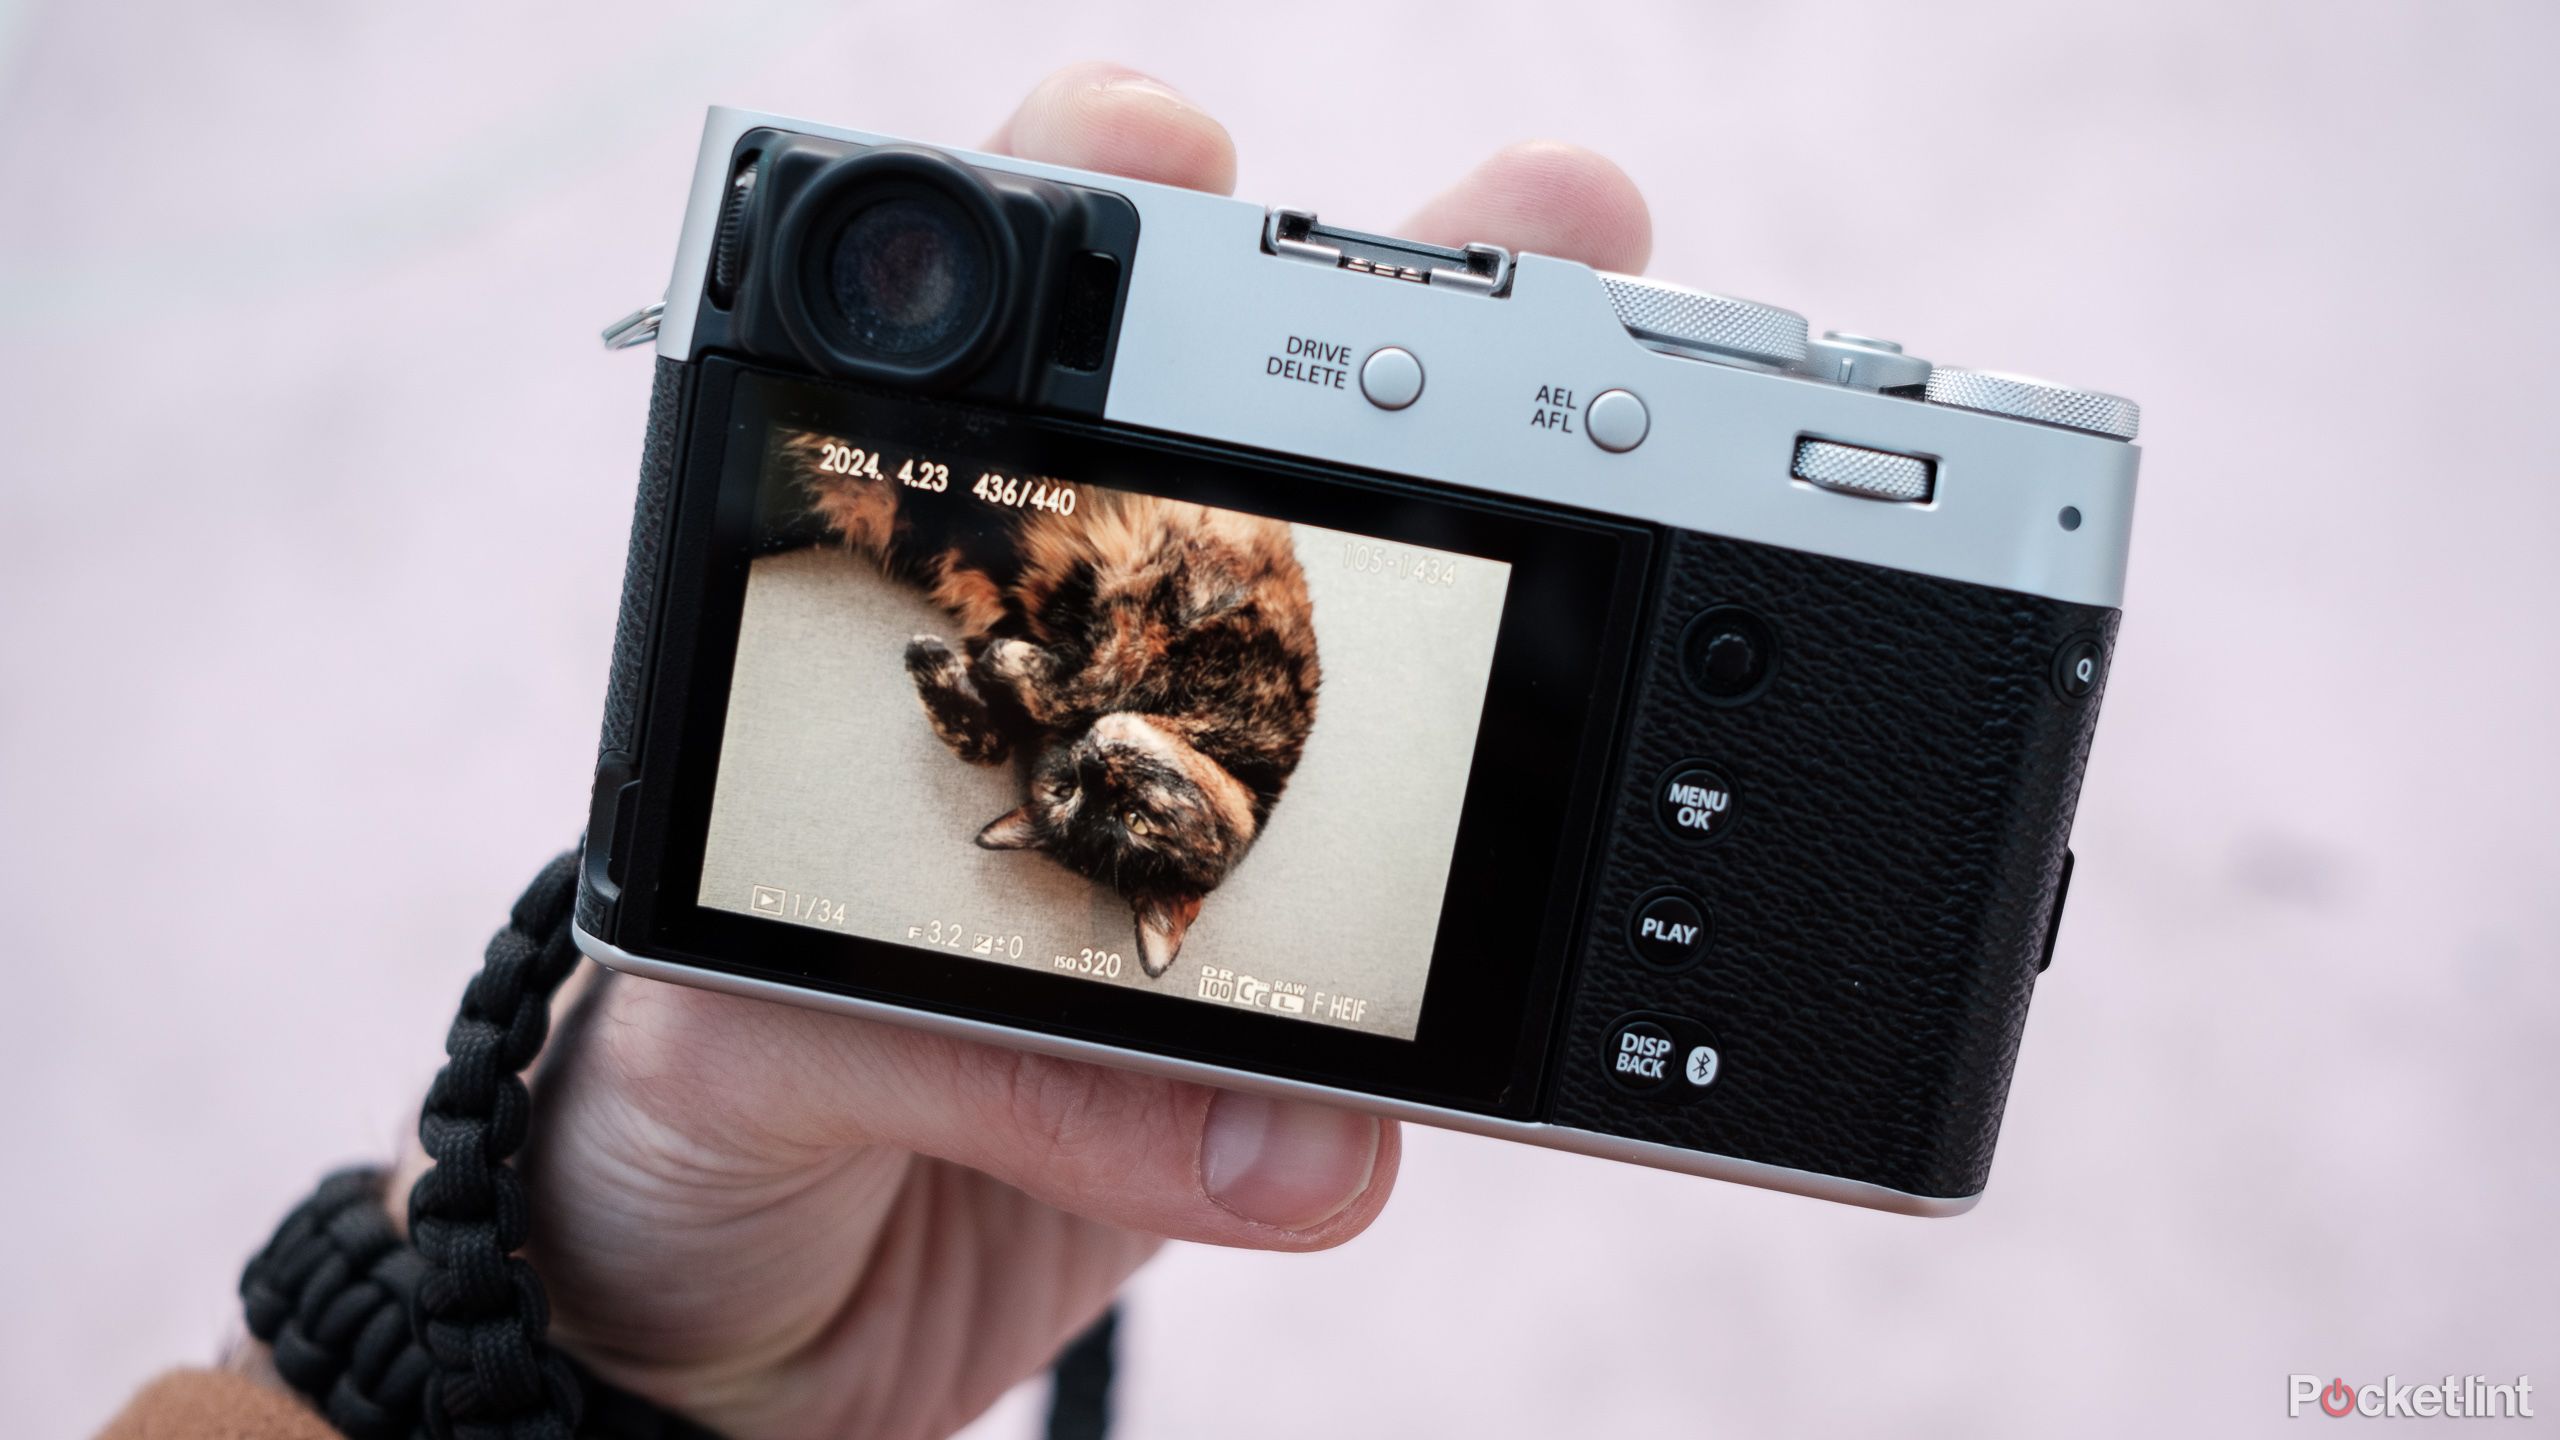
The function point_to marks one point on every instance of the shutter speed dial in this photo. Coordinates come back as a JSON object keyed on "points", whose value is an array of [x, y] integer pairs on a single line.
{"points": [[1712, 327], [1721, 328]]}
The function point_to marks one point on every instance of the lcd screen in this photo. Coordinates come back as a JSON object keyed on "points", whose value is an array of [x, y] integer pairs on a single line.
{"points": [[1037, 720]]}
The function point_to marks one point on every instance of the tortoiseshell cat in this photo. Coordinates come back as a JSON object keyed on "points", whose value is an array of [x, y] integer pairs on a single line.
{"points": [[1155, 660]]}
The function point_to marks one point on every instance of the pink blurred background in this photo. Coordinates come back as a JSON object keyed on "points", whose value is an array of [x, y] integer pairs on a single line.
{"points": [[312, 517]]}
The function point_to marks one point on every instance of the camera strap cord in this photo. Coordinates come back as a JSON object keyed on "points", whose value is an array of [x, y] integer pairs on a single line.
{"points": [[442, 1336]]}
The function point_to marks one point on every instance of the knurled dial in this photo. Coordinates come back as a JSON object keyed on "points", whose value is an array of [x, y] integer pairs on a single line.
{"points": [[2028, 398], [1715, 326]]}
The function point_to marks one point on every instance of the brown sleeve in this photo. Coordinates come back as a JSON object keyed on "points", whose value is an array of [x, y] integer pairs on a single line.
{"points": [[215, 1405]]}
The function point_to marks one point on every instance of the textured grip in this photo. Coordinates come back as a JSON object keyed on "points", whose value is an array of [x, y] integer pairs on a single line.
{"points": [[626, 686], [1881, 889]]}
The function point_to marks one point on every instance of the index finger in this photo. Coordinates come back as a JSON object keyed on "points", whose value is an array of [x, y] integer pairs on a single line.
{"points": [[1549, 197], [1110, 118]]}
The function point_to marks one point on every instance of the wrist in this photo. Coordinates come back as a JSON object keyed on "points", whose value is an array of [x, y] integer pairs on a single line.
{"points": [[251, 1358]]}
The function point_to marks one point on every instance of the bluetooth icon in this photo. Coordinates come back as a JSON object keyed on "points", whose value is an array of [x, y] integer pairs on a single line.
{"points": [[1702, 1066]]}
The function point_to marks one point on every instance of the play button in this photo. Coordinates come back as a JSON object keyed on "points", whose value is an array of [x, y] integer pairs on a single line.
{"points": [[1669, 930]]}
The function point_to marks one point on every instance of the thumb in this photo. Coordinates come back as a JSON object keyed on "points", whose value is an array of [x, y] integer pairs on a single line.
{"points": [[785, 1090]]}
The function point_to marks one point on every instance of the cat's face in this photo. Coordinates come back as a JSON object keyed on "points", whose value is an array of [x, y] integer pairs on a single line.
{"points": [[1133, 806]]}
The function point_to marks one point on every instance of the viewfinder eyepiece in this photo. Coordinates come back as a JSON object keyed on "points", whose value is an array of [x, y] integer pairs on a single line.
{"points": [[897, 265]]}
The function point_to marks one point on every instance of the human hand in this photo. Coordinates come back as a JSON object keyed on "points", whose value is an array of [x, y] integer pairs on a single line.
{"points": [[793, 1224]]}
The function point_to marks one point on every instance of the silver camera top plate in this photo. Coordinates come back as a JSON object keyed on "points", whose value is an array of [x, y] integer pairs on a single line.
{"points": [[1535, 385]]}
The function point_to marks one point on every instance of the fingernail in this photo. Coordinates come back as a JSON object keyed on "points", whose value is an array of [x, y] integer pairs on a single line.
{"points": [[1285, 1163], [1132, 80]]}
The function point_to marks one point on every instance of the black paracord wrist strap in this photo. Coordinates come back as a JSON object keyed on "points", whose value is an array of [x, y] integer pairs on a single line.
{"points": [[330, 1296], [443, 1338], [479, 1310]]}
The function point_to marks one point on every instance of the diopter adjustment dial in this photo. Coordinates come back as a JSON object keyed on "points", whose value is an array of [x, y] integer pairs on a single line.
{"points": [[1714, 327], [2027, 398], [729, 238]]}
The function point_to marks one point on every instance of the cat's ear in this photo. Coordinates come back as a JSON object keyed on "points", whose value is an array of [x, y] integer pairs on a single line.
{"points": [[1162, 922], [1013, 830]]}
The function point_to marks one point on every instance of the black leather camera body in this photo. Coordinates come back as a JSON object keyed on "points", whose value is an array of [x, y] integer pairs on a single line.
{"points": [[1144, 627]]}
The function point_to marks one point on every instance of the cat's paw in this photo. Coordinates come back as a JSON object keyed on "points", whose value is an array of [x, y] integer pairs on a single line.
{"points": [[930, 660], [952, 704], [1012, 663]]}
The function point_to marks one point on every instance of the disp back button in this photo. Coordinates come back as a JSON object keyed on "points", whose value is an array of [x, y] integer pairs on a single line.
{"points": [[1642, 1055]]}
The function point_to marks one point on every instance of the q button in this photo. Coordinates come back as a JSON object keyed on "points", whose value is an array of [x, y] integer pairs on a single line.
{"points": [[2078, 666]]}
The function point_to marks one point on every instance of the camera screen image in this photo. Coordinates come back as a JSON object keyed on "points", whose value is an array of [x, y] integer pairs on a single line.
{"points": [[1038, 721]]}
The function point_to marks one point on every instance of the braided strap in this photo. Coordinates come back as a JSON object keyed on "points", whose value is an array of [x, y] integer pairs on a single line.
{"points": [[479, 1310], [442, 1337], [330, 1295], [1080, 1386]]}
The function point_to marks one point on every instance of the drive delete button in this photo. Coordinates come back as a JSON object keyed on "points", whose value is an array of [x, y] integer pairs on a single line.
{"points": [[1694, 802], [1640, 1055]]}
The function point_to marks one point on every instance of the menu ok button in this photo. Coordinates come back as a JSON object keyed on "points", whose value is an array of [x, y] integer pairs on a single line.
{"points": [[1640, 1055], [1695, 802]]}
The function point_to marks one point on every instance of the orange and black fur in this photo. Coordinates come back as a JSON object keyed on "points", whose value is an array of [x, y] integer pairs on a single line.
{"points": [[1153, 660]]}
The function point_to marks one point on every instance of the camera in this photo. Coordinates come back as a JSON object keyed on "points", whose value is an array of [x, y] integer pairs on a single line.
{"points": [[1144, 627]]}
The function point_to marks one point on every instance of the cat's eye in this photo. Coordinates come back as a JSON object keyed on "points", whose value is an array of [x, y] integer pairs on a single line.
{"points": [[1136, 822]]}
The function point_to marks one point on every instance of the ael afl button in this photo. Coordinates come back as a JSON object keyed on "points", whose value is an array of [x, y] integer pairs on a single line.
{"points": [[1391, 377], [1669, 931], [1641, 1055], [1694, 803], [1616, 420]]}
